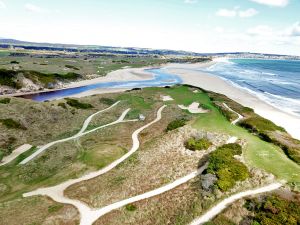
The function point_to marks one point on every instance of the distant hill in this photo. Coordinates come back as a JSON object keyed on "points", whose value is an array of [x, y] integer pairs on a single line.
{"points": [[92, 48]]}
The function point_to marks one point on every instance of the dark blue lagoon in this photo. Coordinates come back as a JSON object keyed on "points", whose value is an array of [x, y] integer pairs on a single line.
{"points": [[160, 78]]}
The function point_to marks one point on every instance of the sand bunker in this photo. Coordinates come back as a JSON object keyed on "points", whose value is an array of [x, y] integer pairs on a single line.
{"points": [[167, 98], [194, 108]]}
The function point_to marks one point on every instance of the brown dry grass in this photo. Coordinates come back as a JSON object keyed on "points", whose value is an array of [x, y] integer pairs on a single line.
{"points": [[36, 211], [178, 206]]}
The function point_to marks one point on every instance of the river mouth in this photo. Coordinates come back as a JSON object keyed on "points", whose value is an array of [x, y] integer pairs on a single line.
{"points": [[160, 78]]}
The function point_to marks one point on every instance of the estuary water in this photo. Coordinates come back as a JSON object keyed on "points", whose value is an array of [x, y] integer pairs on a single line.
{"points": [[160, 78]]}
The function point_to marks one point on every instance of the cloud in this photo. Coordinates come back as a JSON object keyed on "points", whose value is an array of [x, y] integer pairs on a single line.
{"points": [[294, 30], [231, 13], [261, 30], [248, 13], [226, 13], [2, 5], [190, 1], [33, 8], [278, 3]]}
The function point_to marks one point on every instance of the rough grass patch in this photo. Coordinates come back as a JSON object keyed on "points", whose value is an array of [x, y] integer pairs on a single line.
{"points": [[12, 124], [78, 105], [5, 101]]}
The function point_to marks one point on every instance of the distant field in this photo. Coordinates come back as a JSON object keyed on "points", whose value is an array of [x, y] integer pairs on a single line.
{"points": [[83, 65]]}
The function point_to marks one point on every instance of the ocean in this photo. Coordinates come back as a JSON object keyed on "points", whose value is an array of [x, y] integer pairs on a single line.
{"points": [[276, 82]]}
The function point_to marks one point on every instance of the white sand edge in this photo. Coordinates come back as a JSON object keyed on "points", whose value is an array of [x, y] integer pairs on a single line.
{"points": [[213, 83]]}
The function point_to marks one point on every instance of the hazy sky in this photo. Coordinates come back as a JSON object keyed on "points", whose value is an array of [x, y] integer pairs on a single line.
{"points": [[270, 26]]}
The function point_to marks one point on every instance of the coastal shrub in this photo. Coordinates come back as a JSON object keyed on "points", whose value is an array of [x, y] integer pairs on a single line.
{"points": [[1, 155], [78, 105], [259, 125], [201, 144], [176, 124], [107, 101], [62, 104], [72, 67], [227, 169], [130, 207], [274, 210], [5, 101], [54, 208], [7, 78], [12, 124]]}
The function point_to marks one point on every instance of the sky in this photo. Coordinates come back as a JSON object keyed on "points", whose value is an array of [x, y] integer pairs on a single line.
{"points": [[266, 26]]}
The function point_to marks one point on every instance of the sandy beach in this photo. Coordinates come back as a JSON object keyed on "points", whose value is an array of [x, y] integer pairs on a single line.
{"points": [[213, 83], [126, 74]]}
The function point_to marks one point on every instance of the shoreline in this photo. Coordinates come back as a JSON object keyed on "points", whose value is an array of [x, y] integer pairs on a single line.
{"points": [[211, 82], [188, 74], [126, 74]]}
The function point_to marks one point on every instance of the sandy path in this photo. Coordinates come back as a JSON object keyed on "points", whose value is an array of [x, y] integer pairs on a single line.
{"points": [[240, 117], [102, 211], [88, 215], [15, 154], [223, 204], [79, 134]]}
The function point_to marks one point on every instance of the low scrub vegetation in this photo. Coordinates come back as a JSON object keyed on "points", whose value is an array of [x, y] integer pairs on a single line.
{"points": [[78, 105], [200, 144], [273, 210], [130, 207], [176, 124], [107, 101], [12, 124], [258, 124], [71, 67], [227, 169], [62, 104], [9, 77], [5, 101]]}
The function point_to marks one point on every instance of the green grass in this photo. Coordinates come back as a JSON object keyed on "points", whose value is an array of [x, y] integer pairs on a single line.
{"points": [[102, 155], [257, 153]]}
